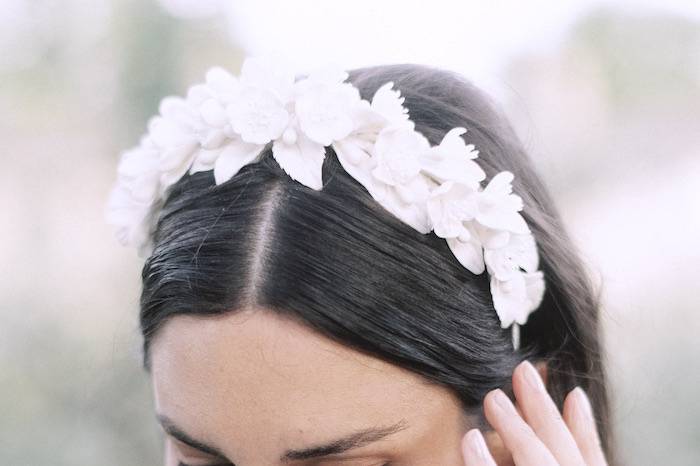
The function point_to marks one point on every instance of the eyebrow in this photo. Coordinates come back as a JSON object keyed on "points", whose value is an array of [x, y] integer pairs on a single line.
{"points": [[174, 431], [348, 442]]}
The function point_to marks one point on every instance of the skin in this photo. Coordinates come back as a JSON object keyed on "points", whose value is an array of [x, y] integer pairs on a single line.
{"points": [[253, 385]]}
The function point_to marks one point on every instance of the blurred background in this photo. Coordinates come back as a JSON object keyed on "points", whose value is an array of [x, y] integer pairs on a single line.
{"points": [[604, 94]]}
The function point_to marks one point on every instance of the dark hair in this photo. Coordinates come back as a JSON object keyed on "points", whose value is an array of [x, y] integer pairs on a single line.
{"points": [[341, 264]]}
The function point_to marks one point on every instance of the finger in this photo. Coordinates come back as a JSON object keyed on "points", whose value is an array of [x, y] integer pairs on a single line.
{"points": [[578, 415], [542, 414], [474, 450], [527, 449]]}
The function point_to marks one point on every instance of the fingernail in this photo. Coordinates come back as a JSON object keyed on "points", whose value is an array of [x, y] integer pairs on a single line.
{"points": [[504, 402], [583, 404], [532, 376], [477, 444]]}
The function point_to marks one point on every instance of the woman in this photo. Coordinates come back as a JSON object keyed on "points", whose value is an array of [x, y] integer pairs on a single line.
{"points": [[302, 306]]}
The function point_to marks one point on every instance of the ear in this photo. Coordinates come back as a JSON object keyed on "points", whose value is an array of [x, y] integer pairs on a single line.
{"points": [[498, 450]]}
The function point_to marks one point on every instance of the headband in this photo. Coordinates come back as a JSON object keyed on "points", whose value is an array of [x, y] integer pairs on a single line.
{"points": [[225, 123]]}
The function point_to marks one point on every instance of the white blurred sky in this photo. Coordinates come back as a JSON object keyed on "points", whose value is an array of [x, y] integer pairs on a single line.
{"points": [[475, 38]]}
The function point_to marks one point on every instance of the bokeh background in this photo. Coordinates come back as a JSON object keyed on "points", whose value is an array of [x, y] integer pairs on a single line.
{"points": [[604, 94]]}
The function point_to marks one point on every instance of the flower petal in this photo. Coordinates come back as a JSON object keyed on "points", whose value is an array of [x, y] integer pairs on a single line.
{"points": [[234, 156], [510, 299], [503, 219], [257, 115], [468, 253], [358, 163], [453, 145], [204, 160], [413, 214], [351, 151], [500, 184], [449, 206], [167, 132], [397, 151], [213, 113], [452, 159], [498, 264], [414, 191], [324, 112], [389, 104], [492, 239]]}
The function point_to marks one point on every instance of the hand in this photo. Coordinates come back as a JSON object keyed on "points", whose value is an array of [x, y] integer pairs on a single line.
{"points": [[540, 437]]}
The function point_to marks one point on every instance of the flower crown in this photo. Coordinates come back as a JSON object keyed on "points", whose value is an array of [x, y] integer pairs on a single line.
{"points": [[224, 124]]}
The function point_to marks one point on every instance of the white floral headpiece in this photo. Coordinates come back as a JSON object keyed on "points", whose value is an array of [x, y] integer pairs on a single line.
{"points": [[224, 123]]}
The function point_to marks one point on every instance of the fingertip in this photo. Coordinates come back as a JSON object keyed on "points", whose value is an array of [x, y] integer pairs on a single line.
{"points": [[475, 451], [490, 398], [488, 405], [578, 415], [569, 408], [584, 403]]}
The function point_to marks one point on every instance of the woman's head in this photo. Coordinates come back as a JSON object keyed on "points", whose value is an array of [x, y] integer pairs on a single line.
{"points": [[279, 310]]}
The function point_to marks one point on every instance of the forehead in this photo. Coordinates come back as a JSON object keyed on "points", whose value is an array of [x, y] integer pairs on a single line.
{"points": [[242, 377]]}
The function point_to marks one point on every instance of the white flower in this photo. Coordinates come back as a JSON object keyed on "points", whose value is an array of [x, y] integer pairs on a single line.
{"points": [[516, 298], [451, 205], [453, 160], [498, 207], [355, 150], [258, 112], [398, 152], [258, 115], [224, 124], [402, 188], [214, 131], [386, 109], [301, 118], [135, 196], [325, 111], [519, 252], [221, 148], [515, 292], [175, 134]]}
